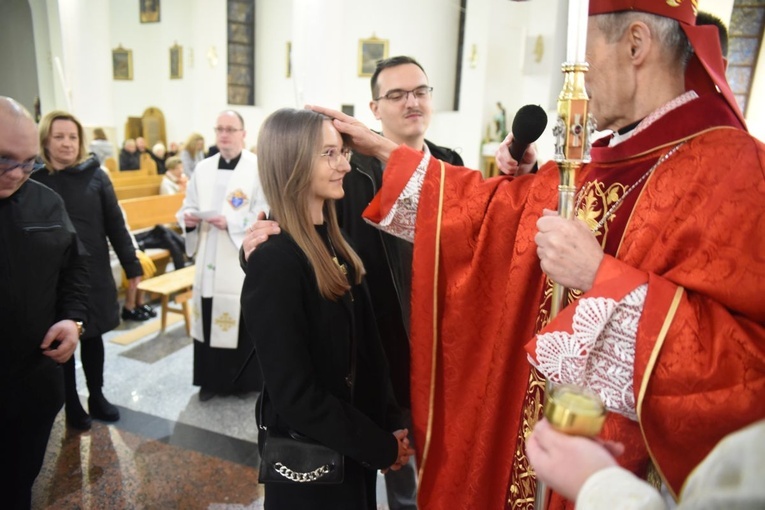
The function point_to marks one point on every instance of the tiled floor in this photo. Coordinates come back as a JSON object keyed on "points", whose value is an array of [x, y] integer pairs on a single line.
{"points": [[168, 450]]}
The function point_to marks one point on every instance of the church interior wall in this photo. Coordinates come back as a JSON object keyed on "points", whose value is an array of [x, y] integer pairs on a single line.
{"points": [[511, 55]]}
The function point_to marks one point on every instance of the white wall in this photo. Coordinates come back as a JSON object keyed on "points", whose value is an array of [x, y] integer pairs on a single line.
{"points": [[324, 37], [720, 8], [83, 33]]}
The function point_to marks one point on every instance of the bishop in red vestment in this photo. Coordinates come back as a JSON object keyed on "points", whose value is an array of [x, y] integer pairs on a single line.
{"points": [[670, 326]]}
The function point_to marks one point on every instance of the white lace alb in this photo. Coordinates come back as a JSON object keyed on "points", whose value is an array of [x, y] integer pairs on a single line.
{"points": [[600, 354], [400, 220]]}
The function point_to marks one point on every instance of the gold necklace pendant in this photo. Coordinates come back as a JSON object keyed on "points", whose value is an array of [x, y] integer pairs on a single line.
{"points": [[342, 267]]}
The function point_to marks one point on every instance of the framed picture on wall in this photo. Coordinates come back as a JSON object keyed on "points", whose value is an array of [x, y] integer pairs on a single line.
{"points": [[176, 62], [370, 51], [289, 59], [149, 11], [122, 63]]}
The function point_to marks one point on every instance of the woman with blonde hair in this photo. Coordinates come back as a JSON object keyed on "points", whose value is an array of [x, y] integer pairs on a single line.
{"points": [[92, 205], [307, 309], [193, 152], [100, 146]]}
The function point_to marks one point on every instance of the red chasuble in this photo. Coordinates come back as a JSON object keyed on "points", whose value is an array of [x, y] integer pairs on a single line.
{"points": [[693, 231]]}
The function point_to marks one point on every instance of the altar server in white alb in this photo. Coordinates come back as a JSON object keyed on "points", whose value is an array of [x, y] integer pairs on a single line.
{"points": [[223, 198]]}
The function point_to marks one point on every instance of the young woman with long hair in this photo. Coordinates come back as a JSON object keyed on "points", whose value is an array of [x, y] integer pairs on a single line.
{"points": [[307, 308]]}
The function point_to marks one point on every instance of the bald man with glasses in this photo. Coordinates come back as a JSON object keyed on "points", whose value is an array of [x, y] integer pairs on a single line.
{"points": [[43, 304]]}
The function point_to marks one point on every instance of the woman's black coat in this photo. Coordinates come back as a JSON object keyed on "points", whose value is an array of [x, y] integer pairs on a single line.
{"points": [[92, 206], [303, 344]]}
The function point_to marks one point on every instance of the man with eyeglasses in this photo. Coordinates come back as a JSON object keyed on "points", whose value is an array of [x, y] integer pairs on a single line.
{"points": [[43, 304], [401, 101], [223, 197]]}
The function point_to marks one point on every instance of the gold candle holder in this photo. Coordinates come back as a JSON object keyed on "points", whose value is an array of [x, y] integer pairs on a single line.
{"points": [[575, 410]]}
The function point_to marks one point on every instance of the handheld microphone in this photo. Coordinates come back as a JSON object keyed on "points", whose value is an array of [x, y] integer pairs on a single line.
{"points": [[528, 125]]}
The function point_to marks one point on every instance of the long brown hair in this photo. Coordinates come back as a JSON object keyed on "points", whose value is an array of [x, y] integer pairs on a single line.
{"points": [[191, 145], [45, 126], [288, 147]]}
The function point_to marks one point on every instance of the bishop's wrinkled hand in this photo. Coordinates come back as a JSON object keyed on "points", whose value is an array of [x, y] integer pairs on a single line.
{"points": [[363, 139], [568, 251]]}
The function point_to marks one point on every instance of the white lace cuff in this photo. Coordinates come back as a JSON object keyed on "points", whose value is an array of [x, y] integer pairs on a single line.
{"points": [[401, 219], [600, 354]]}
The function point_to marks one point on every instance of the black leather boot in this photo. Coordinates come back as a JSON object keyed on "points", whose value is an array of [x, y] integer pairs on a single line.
{"points": [[76, 417], [101, 409]]}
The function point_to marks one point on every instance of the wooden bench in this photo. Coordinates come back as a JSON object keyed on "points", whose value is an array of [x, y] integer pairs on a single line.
{"points": [[146, 170], [133, 178], [135, 184], [146, 212], [178, 283]]}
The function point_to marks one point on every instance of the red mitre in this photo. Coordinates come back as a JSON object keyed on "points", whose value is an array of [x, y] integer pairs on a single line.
{"points": [[706, 70]]}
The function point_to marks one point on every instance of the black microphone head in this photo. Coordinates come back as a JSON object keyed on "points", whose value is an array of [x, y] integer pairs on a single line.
{"points": [[529, 124]]}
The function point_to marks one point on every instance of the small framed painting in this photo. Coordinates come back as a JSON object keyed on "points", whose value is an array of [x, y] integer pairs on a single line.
{"points": [[149, 11], [122, 64], [289, 59], [370, 52], [176, 62]]}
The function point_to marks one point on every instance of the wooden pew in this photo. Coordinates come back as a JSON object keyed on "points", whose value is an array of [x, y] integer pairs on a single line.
{"points": [[111, 164], [121, 179], [135, 186], [138, 191], [146, 212]]}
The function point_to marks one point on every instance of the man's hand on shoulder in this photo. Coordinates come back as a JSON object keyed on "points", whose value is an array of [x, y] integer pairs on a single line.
{"points": [[257, 233]]}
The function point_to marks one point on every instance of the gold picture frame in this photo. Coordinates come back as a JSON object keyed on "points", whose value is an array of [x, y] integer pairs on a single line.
{"points": [[370, 52], [176, 62], [289, 59], [122, 63], [149, 11]]}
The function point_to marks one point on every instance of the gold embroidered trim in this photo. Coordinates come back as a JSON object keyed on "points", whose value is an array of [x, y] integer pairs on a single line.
{"points": [[521, 490], [646, 376], [431, 399]]}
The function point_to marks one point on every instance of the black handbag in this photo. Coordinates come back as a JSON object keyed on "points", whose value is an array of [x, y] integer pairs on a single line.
{"points": [[288, 456], [293, 458]]}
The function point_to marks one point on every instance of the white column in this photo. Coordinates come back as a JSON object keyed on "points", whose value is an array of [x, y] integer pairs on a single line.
{"points": [[318, 28], [86, 64]]}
